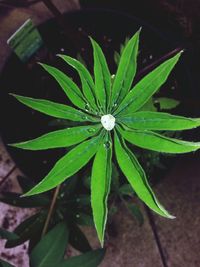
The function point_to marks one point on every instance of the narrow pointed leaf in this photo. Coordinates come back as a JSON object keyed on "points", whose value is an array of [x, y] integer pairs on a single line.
{"points": [[146, 87], [102, 76], [157, 142], [100, 187], [146, 120], [27, 230], [15, 200], [136, 177], [68, 165], [61, 138], [51, 249], [55, 109], [86, 80], [126, 70], [69, 87], [89, 259]]}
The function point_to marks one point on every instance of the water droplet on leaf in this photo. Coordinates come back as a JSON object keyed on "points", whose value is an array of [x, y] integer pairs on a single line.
{"points": [[91, 130], [87, 107]]}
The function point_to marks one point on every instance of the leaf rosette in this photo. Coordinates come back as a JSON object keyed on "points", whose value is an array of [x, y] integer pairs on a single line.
{"points": [[112, 107]]}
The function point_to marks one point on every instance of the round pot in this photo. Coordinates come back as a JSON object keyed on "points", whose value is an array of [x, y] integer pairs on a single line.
{"points": [[70, 36]]}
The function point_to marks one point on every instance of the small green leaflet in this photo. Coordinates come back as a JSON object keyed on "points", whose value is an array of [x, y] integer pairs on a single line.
{"points": [[68, 165], [61, 138], [157, 142], [86, 80], [50, 250], [69, 87], [126, 70], [54, 109], [167, 103], [102, 77], [136, 177], [147, 120], [146, 87], [100, 186]]}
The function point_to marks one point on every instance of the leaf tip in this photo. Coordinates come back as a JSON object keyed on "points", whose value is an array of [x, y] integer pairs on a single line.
{"points": [[140, 29], [12, 94]]}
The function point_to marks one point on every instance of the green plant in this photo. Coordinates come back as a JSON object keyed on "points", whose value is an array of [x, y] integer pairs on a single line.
{"points": [[112, 109], [71, 210], [50, 251]]}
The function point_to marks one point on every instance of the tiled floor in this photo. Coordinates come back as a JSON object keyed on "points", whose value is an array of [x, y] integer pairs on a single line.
{"points": [[159, 242]]}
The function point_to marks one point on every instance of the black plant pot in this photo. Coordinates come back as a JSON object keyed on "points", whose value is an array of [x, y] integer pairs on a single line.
{"points": [[109, 28]]}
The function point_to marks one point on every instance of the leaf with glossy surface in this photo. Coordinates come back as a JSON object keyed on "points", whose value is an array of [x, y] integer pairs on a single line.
{"points": [[68, 165], [100, 187], [157, 142], [69, 87], [136, 177], [51, 249], [86, 80], [147, 86], [61, 138], [126, 70], [89, 259], [102, 76], [146, 120], [55, 109]]}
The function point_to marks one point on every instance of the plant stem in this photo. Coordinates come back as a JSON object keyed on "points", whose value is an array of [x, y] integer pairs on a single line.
{"points": [[53, 202]]}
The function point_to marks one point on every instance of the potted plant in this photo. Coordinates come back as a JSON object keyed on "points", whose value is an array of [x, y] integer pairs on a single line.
{"points": [[102, 113]]}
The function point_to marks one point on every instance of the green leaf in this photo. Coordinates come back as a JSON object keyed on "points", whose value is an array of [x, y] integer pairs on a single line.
{"points": [[4, 234], [102, 76], [146, 87], [167, 103], [51, 249], [69, 87], [89, 259], [5, 264], [68, 165], [55, 109], [157, 142], [14, 199], [100, 187], [126, 70], [146, 120], [136, 177], [61, 138], [86, 80], [27, 229], [78, 240]]}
